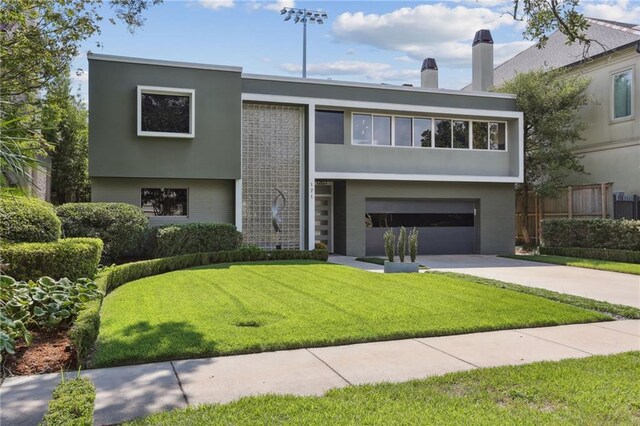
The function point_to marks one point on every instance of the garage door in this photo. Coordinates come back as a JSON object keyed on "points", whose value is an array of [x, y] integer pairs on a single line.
{"points": [[444, 226]]}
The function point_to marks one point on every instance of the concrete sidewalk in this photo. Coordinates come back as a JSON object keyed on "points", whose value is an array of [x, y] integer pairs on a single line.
{"points": [[124, 393]]}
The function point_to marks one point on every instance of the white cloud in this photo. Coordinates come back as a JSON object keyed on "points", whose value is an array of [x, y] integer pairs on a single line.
{"points": [[621, 10], [430, 30], [374, 71], [216, 4], [270, 5]]}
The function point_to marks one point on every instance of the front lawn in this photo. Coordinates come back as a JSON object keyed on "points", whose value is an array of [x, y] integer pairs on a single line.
{"points": [[240, 308], [603, 265], [600, 390]]}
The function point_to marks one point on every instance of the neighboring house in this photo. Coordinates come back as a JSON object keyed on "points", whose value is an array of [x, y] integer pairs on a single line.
{"points": [[296, 161], [611, 147]]}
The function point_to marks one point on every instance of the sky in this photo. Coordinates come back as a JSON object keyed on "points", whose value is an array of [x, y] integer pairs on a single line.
{"points": [[362, 41]]}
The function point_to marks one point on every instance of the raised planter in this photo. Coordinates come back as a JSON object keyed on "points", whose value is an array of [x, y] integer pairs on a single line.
{"points": [[395, 267]]}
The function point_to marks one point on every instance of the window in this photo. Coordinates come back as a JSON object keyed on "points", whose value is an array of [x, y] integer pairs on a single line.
{"points": [[362, 129], [164, 201], [622, 94], [165, 112], [443, 133], [422, 132], [480, 135], [460, 134], [402, 131], [497, 136], [330, 127], [419, 220], [381, 130]]}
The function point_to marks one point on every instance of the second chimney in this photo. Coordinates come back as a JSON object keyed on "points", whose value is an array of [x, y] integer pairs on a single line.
{"points": [[482, 61], [429, 74]]}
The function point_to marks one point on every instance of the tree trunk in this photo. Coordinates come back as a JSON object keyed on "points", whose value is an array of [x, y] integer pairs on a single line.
{"points": [[524, 214]]}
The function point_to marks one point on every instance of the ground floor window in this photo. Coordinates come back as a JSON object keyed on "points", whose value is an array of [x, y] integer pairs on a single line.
{"points": [[164, 201]]}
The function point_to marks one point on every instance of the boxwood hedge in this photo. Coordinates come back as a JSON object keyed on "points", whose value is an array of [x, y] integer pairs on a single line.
{"points": [[72, 403], [174, 240], [122, 227], [27, 220], [597, 233], [72, 258]]}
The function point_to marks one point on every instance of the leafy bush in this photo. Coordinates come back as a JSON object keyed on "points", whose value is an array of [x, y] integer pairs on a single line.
{"points": [[413, 244], [84, 331], [72, 403], [174, 240], [626, 256], [122, 227], [27, 220], [72, 258], [45, 303], [599, 233], [389, 244]]}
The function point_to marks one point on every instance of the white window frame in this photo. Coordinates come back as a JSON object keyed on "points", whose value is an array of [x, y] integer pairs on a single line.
{"points": [[155, 90], [182, 216], [612, 96], [433, 119]]}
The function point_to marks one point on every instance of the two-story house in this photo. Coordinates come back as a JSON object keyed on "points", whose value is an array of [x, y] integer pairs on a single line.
{"points": [[296, 161], [610, 149]]}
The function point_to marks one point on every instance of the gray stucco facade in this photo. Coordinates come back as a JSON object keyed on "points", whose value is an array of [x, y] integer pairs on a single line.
{"points": [[227, 164]]}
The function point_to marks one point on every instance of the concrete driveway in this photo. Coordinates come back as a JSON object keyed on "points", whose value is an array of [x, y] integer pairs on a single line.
{"points": [[613, 287]]}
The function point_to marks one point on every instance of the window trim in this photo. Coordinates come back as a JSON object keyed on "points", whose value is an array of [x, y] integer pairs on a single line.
{"points": [[156, 90], [179, 216], [612, 75], [432, 118]]}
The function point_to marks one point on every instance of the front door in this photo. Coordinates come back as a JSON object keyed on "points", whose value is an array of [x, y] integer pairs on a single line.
{"points": [[324, 215]]}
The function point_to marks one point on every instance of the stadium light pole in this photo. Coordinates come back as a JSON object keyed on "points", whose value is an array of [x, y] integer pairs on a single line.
{"points": [[304, 16]]}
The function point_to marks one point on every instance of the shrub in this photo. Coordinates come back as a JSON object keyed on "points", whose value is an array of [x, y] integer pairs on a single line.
{"points": [[84, 331], [413, 244], [27, 220], [389, 244], [72, 403], [627, 256], [402, 243], [122, 227], [72, 258], [174, 240], [598, 233]]}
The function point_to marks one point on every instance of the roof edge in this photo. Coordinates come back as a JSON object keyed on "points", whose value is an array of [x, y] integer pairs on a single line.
{"points": [[146, 61]]}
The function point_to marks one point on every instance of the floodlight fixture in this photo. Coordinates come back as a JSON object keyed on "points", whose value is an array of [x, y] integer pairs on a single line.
{"points": [[304, 16]]}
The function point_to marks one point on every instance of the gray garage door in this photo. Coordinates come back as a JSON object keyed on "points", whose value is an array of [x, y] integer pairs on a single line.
{"points": [[444, 226]]}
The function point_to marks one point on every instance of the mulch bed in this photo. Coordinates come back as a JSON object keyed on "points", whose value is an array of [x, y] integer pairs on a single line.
{"points": [[49, 352]]}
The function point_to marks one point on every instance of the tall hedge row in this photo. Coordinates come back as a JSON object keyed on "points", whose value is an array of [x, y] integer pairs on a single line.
{"points": [[174, 240], [122, 227], [27, 220], [598, 233]]}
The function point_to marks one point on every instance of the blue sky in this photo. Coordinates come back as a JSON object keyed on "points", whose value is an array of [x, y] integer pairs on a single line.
{"points": [[367, 41]]}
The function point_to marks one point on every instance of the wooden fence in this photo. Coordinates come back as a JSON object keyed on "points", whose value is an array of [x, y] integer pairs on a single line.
{"points": [[574, 202]]}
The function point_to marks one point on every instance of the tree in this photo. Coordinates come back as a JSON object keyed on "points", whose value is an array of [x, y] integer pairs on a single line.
{"points": [[66, 130], [39, 39], [551, 101]]}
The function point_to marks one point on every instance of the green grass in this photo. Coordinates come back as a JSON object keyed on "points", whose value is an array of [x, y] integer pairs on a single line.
{"points": [[601, 390], [253, 307], [72, 403], [602, 265]]}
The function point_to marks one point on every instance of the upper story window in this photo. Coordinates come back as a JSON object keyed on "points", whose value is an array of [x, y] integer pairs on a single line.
{"points": [[166, 112], [330, 127], [623, 94], [164, 201], [385, 130]]}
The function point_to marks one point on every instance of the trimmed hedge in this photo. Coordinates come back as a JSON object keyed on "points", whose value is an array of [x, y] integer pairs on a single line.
{"points": [[72, 258], [175, 240], [85, 329], [122, 227], [598, 233], [27, 220], [72, 403], [626, 256]]}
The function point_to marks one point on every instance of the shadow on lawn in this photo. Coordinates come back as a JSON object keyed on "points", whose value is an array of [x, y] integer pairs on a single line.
{"points": [[230, 265], [143, 342]]}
